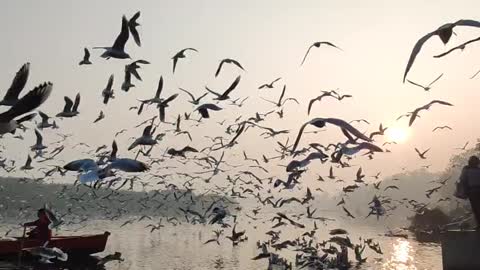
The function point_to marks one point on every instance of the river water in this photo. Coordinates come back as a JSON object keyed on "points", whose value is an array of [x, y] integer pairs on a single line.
{"points": [[182, 246]]}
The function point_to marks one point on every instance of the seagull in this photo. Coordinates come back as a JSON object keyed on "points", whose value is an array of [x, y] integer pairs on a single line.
{"points": [[269, 85], [475, 75], [228, 61], [27, 103], [100, 117], [294, 164], [464, 146], [225, 96], [321, 122], [442, 127], [181, 152], [145, 139], [107, 93], [181, 54], [28, 164], [319, 98], [118, 48], [44, 123], [414, 114], [444, 32], [86, 58], [318, 44], [38, 146], [91, 172], [70, 109], [46, 254], [18, 83], [194, 101], [347, 212], [280, 103], [428, 87], [422, 154], [203, 109], [132, 24], [459, 47], [131, 69]]}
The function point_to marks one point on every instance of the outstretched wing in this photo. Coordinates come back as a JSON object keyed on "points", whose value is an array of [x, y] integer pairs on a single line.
{"points": [[122, 38], [18, 83], [29, 102]]}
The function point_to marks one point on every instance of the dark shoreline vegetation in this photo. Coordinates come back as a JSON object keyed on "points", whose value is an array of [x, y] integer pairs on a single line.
{"points": [[20, 198]]}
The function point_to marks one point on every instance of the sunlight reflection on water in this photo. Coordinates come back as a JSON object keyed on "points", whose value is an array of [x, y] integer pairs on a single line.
{"points": [[402, 257]]}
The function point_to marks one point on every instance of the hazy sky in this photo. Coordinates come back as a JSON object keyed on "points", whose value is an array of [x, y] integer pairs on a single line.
{"points": [[269, 38]]}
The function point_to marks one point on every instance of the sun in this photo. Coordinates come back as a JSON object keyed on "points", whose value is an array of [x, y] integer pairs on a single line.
{"points": [[397, 134]]}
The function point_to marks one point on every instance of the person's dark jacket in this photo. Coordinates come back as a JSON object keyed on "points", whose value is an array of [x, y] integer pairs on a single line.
{"points": [[470, 177]]}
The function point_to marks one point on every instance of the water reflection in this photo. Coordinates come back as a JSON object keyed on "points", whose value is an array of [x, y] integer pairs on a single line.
{"points": [[402, 257]]}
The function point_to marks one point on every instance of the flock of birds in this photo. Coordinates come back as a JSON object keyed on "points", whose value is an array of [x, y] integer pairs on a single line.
{"points": [[100, 168]]}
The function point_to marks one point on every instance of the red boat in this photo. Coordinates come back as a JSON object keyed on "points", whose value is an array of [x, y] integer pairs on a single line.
{"points": [[73, 245]]}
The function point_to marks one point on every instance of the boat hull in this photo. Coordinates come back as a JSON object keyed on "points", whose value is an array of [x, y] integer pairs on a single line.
{"points": [[72, 245]]}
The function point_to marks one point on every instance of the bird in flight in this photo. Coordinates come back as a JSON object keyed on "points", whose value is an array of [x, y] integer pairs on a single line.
{"points": [[414, 114], [444, 32], [86, 58], [17, 85], [442, 127], [194, 101], [228, 61], [132, 26], [181, 54], [317, 45], [428, 87], [422, 154], [269, 85], [225, 96], [279, 103], [26, 104], [118, 48]]}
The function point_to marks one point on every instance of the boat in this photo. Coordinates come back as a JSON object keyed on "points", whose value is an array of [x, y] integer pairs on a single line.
{"points": [[82, 245]]}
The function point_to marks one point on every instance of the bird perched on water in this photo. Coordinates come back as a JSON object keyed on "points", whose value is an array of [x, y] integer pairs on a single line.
{"points": [[317, 45], [107, 93], [17, 85], [26, 104], [118, 48], [86, 58], [225, 94], [227, 61], [180, 54], [444, 32], [414, 114]]}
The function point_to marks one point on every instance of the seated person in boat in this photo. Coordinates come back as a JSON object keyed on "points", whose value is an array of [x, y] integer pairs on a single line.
{"points": [[41, 230]]}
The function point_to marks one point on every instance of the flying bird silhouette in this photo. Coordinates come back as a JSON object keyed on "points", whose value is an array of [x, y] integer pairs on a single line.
{"points": [[317, 45], [444, 32]]}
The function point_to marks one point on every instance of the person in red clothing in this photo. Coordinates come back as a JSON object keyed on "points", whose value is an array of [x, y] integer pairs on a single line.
{"points": [[41, 230]]}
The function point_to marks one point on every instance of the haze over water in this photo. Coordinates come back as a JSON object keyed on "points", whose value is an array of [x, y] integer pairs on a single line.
{"points": [[269, 38]]}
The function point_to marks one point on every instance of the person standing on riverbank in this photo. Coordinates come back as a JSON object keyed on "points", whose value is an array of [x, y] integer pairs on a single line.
{"points": [[470, 180]]}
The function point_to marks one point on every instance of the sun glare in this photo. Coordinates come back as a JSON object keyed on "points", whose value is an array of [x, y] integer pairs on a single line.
{"points": [[397, 134]]}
